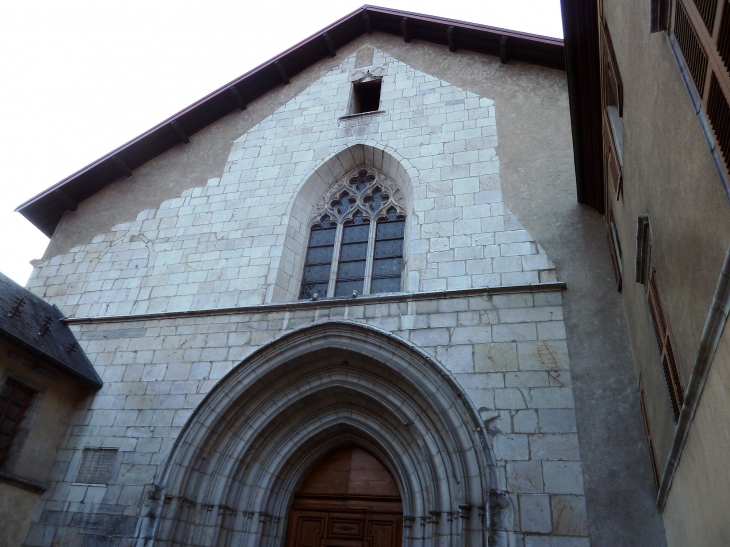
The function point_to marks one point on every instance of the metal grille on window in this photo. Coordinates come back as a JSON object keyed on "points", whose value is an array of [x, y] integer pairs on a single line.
{"points": [[97, 465], [14, 401], [356, 239]]}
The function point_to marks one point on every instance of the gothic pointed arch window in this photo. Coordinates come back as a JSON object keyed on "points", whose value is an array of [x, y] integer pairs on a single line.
{"points": [[356, 238]]}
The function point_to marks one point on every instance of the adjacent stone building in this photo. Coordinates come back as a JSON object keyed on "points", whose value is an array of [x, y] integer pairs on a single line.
{"points": [[351, 262]]}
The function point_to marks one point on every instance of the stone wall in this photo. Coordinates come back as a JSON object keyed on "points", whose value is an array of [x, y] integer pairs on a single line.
{"points": [[238, 240], [507, 351]]}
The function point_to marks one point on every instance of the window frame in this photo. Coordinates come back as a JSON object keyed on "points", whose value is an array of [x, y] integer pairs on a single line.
{"points": [[612, 108], [649, 438], [330, 211], [30, 395]]}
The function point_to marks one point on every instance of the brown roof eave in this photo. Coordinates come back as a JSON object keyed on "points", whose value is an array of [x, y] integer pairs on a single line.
{"points": [[46, 209]]}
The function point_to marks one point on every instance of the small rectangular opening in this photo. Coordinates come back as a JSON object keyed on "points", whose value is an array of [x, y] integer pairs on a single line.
{"points": [[366, 97]]}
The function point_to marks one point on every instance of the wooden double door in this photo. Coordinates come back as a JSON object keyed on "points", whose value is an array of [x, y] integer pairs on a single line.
{"points": [[349, 500], [344, 529]]}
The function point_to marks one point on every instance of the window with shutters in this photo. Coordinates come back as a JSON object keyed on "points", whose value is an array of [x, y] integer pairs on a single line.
{"points": [[701, 31], [647, 430], [356, 239], [646, 274], [667, 354], [15, 399], [614, 245], [613, 125]]}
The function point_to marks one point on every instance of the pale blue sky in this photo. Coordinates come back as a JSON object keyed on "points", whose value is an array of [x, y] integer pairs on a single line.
{"points": [[81, 78]]}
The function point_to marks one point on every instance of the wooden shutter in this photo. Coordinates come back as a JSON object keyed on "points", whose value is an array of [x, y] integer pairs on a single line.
{"points": [[612, 95], [643, 249], [610, 156], [668, 356], [701, 29], [613, 85], [647, 430], [614, 245]]}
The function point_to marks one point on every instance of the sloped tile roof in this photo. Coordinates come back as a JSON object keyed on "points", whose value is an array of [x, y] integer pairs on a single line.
{"points": [[37, 326]]}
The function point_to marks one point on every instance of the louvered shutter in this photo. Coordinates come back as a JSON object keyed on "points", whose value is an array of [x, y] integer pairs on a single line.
{"points": [[668, 358], [701, 29]]}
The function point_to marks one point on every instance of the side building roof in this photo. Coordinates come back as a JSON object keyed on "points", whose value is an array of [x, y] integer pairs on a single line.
{"points": [[46, 209], [38, 327]]}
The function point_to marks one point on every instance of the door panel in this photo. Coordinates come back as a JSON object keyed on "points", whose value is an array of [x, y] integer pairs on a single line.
{"points": [[382, 531], [307, 529]]}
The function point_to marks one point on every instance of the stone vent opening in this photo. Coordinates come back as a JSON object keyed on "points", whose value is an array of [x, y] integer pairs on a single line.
{"points": [[97, 465]]}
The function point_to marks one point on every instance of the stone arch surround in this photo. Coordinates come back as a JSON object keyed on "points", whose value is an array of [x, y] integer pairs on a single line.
{"points": [[232, 474], [315, 185]]}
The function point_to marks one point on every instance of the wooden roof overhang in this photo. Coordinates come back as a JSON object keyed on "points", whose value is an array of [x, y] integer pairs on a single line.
{"points": [[580, 31], [46, 209]]}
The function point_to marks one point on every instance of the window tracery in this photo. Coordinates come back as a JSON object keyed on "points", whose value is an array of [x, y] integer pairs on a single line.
{"points": [[356, 238]]}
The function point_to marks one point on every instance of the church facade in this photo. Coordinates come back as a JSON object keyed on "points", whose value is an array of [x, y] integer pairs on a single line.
{"points": [[337, 332]]}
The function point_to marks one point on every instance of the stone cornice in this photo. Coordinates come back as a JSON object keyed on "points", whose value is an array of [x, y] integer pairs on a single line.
{"points": [[329, 303]]}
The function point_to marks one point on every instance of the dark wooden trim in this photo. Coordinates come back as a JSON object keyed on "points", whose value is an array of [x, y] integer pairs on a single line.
{"points": [[119, 162], [329, 44], [237, 96], [451, 38], [504, 50], [65, 200], [282, 72], [405, 28], [366, 22], [580, 28], [180, 131]]}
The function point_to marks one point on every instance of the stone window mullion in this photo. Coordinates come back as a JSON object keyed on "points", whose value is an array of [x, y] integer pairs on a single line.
{"points": [[335, 261], [369, 263]]}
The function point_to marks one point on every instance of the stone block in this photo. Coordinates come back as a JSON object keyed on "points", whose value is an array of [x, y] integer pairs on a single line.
{"points": [[525, 421], [514, 332], [456, 358], [535, 513], [543, 355], [511, 447], [524, 477], [556, 420], [569, 515], [563, 477], [555, 447], [495, 357], [471, 335]]}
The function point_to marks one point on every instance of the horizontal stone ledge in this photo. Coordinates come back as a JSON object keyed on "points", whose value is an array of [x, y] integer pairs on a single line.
{"points": [[553, 286], [21, 482]]}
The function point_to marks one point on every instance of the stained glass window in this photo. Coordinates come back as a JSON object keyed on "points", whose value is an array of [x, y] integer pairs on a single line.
{"points": [[356, 242]]}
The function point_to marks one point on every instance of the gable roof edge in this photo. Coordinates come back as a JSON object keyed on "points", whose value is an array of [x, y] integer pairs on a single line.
{"points": [[46, 208]]}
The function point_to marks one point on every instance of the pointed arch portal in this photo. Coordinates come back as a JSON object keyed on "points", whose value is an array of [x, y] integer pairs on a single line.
{"points": [[235, 471]]}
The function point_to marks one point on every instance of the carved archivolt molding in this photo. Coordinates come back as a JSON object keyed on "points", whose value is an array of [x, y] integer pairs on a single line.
{"points": [[364, 194]]}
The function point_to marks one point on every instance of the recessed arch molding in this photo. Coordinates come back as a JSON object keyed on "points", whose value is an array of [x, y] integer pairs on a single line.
{"points": [[231, 476]]}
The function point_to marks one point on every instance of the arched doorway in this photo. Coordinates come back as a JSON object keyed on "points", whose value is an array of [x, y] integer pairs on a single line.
{"points": [[246, 452], [349, 500]]}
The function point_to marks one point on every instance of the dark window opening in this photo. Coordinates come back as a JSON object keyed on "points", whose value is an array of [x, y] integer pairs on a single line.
{"points": [[388, 259], [14, 401], [366, 97]]}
